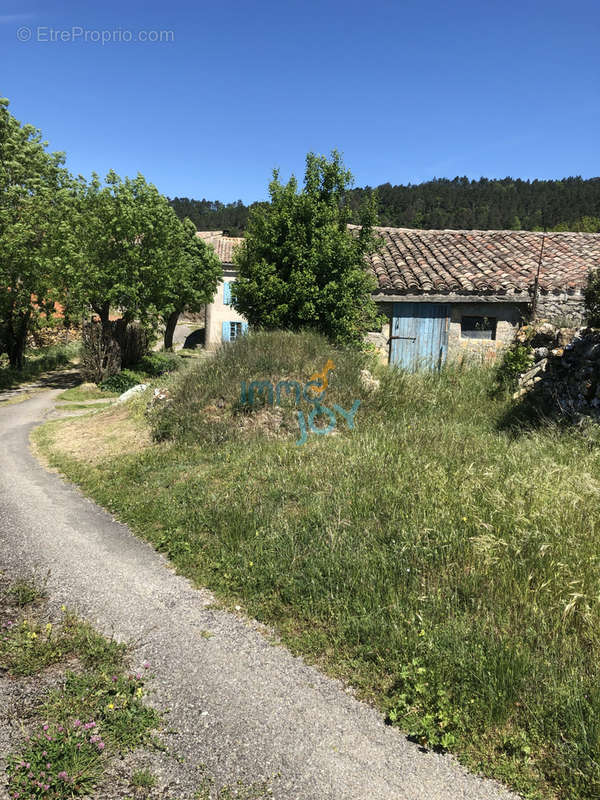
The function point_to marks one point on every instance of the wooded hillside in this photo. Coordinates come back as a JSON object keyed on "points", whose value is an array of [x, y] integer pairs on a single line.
{"points": [[567, 204]]}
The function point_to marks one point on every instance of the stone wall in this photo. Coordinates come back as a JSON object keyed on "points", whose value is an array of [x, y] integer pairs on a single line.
{"points": [[564, 373], [561, 307]]}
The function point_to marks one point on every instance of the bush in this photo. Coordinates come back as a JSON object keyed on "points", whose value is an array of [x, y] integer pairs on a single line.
{"points": [[515, 361], [121, 382], [100, 354], [156, 364], [592, 299]]}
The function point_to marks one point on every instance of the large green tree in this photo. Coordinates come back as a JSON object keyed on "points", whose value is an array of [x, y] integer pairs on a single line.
{"points": [[300, 265], [126, 230], [36, 241], [191, 280]]}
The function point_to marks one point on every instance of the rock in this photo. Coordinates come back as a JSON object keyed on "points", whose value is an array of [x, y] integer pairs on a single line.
{"points": [[368, 382], [132, 392], [557, 352], [540, 352]]}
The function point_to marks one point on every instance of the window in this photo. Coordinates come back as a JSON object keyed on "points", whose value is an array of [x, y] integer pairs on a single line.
{"points": [[478, 327], [228, 296], [232, 330], [235, 330]]}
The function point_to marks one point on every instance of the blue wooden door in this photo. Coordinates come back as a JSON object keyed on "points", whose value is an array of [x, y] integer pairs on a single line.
{"points": [[419, 335]]}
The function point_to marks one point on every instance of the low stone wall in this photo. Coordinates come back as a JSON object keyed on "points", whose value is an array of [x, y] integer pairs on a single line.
{"points": [[564, 376]]}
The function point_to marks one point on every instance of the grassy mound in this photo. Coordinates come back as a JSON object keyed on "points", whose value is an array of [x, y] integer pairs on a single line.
{"points": [[211, 401]]}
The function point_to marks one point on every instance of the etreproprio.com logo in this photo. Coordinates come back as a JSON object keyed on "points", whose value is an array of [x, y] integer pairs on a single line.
{"points": [[313, 392]]}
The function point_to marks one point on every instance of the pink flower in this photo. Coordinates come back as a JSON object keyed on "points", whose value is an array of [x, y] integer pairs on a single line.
{"points": [[62, 775], [48, 766], [146, 665], [114, 677], [77, 723], [45, 727], [100, 745]]}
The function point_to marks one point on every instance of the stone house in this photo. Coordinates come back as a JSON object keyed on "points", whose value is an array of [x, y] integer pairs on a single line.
{"points": [[223, 323], [448, 294]]}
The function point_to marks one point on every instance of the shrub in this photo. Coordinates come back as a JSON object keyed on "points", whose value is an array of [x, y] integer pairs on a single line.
{"points": [[592, 299], [121, 382], [156, 364], [516, 360], [100, 354]]}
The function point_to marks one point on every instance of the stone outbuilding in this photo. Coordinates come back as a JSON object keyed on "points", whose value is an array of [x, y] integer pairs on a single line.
{"points": [[448, 294]]}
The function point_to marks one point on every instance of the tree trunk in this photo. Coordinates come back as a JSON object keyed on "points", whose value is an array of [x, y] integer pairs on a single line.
{"points": [[16, 340], [170, 326]]}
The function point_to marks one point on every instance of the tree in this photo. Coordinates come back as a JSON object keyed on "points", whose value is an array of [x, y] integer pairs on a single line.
{"points": [[300, 265], [36, 202], [190, 281], [125, 230]]}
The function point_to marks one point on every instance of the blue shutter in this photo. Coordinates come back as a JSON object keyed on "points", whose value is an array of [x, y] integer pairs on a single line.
{"points": [[244, 327], [225, 329], [227, 293]]}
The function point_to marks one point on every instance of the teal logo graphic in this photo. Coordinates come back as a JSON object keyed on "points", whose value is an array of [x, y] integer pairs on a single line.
{"points": [[313, 392]]}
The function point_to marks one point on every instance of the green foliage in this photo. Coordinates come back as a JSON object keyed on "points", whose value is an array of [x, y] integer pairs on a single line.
{"points": [[156, 364], [300, 266], [190, 281], [570, 204], [516, 360], [592, 298], [36, 231], [43, 359], [143, 779], [121, 382], [424, 710]]}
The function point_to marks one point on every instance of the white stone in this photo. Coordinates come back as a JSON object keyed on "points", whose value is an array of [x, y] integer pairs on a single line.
{"points": [[132, 392]]}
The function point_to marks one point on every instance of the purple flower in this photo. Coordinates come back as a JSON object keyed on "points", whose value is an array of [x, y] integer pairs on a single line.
{"points": [[45, 727], [114, 677], [77, 723]]}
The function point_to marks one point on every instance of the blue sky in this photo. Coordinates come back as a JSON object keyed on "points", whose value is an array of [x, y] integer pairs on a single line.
{"points": [[407, 90]]}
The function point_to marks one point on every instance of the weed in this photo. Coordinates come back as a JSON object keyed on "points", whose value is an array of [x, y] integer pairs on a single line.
{"points": [[143, 779]]}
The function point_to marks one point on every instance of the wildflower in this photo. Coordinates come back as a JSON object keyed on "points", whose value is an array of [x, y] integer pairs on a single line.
{"points": [[146, 665], [77, 723], [62, 775], [139, 692], [48, 766], [89, 725], [138, 676], [100, 746], [114, 678], [464, 519], [111, 706], [48, 627], [45, 727]]}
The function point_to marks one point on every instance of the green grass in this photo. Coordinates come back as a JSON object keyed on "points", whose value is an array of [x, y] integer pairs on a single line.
{"points": [[85, 391], [38, 361], [96, 712], [445, 564], [143, 779], [84, 406]]}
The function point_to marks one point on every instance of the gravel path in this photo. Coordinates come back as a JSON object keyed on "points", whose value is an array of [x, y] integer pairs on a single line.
{"points": [[243, 707]]}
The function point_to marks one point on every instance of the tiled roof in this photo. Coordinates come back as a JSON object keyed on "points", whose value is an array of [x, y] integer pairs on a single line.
{"points": [[223, 245], [482, 262]]}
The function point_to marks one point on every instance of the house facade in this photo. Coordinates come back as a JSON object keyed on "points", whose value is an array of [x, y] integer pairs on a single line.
{"points": [[449, 295], [222, 323]]}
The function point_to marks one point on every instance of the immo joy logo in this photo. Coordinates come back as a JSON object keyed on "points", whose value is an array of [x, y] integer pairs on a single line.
{"points": [[313, 392]]}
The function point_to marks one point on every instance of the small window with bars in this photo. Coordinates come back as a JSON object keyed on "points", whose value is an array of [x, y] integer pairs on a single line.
{"points": [[478, 327]]}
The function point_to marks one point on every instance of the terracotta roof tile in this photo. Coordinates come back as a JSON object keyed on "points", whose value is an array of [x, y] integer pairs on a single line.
{"points": [[480, 262], [223, 245]]}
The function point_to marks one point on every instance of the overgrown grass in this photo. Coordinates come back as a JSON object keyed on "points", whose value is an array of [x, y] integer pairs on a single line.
{"points": [[43, 359], [97, 712], [446, 566]]}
